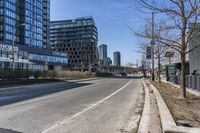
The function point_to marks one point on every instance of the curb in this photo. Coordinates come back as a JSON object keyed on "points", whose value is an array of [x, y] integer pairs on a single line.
{"points": [[167, 121], [145, 118]]}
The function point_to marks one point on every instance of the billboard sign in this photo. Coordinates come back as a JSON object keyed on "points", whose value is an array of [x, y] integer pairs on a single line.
{"points": [[8, 48]]}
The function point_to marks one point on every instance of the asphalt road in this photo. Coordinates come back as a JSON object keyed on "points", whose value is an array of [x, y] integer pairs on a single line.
{"points": [[97, 106]]}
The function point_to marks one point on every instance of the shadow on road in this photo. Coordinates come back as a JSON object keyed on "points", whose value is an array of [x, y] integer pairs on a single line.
{"points": [[23, 82], [29, 92], [8, 131]]}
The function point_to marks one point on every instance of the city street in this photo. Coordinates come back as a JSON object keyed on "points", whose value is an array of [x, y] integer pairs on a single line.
{"points": [[105, 106]]}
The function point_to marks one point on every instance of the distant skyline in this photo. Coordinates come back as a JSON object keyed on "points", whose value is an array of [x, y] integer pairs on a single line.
{"points": [[112, 19]]}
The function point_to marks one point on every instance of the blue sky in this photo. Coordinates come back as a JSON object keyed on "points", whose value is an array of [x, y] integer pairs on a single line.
{"points": [[112, 18]]}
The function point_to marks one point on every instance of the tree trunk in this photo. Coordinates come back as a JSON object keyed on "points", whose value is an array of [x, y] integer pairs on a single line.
{"points": [[183, 49], [183, 76]]}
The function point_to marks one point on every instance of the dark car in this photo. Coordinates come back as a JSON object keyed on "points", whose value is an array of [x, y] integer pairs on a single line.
{"points": [[123, 74]]}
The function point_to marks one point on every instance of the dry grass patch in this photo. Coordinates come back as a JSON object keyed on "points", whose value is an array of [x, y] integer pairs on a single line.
{"points": [[74, 75]]}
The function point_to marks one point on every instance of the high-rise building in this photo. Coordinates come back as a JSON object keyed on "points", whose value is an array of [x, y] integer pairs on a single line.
{"points": [[102, 51], [117, 58], [25, 21], [46, 23], [107, 61], [24, 30], [78, 38]]}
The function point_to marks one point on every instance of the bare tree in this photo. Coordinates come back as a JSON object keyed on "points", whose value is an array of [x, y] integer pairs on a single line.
{"points": [[180, 19], [160, 48], [142, 50], [159, 51]]}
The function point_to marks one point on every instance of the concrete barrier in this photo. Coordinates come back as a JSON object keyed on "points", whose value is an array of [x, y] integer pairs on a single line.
{"points": [[188, 77], [198, 83], [172, 79], [178, 79], [186, 81], [190, 81], [194, 82]]}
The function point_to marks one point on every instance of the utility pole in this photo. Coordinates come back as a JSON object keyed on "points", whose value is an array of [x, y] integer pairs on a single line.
{"points": [[153, 44]]}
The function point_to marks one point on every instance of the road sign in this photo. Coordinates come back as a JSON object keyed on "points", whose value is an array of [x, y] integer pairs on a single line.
{"points": [[148, 52], [152, 42]]}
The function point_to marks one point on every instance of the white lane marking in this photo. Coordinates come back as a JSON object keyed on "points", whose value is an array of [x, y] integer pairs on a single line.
{"points": [[85, 110]]}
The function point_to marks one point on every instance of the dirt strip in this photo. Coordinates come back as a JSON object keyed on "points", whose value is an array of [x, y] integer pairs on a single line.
{"points": [[181, 109]]}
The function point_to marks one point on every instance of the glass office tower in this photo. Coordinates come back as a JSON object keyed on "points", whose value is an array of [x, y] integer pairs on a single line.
{"points": [[117, 58], [27, 19], [8, 19], [46, 23], [102, 51], [27, 23]]}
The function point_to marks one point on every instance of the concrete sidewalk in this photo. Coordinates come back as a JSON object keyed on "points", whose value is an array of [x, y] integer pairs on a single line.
{"points": [[190, 90]]}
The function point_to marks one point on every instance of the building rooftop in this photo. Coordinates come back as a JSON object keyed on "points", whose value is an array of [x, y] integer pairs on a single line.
{"points": [[82, 21]]}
